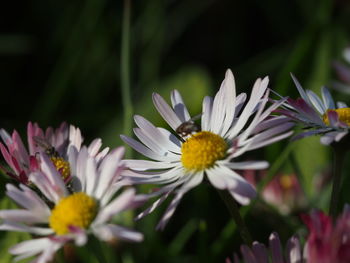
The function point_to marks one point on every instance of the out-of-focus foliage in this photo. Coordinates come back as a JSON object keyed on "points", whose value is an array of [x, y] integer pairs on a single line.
{"points": [[60, 60]]}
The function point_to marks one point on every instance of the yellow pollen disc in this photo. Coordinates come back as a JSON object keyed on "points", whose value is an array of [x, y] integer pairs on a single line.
{"points": [[202, 150], [62, 166], [286, 181], [77, 210], [343, 113]]}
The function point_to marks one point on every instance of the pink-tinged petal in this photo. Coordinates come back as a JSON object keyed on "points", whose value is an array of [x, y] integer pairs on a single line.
{"points": [[273, 131], [52, 192], [154, 145], [21, 215], [28, 199], [75, 137], [247, 132], [258, 91], [333, 118], [21, 151], [137, 146], [300, 89], [247, 254], [316, 102], [179, 106], [308, 133], [91, 176], [94, 147], [192, 182], [109, 169], [33, 163], [42, 246], [294, 252], [248, 165], [18, 227], [156, 137], [33, 130], [218, 111], [80, 236], [110, 232], [276, 249], [166, 111], [99, 157], [164, 177], [143, 165], [271, 122], [260, 253], [124, 201], [6, 137], [305, 109], [170, 211], [53, 175], [155, 204], [8, 159], [327, 99], [266, 142]]}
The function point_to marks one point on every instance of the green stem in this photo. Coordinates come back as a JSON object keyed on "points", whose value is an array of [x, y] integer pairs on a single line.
{"points": [[338, 161], [234, 211], [125, 72]]}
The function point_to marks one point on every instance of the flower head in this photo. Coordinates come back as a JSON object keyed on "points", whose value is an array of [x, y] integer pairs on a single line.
{"points": [[284, 191], [328, 242], [259, 253], [58, 144], [229, 127], [69, 213], [321, 116]]}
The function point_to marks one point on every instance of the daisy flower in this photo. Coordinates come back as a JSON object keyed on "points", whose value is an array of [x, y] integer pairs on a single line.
{"points": [[229, 128], [69, 214], [259, 253], [329, 238], [56, 143], [321, 116]]}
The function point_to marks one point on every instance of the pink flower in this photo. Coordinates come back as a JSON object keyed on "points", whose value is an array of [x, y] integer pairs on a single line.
{"points": [[283, 191], [328, 242], [259, 253], [58, 144]]}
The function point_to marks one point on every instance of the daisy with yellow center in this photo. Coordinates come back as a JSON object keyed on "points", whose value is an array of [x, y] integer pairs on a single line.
{"points": [[86, 208], [229, 127], [320, 115]]}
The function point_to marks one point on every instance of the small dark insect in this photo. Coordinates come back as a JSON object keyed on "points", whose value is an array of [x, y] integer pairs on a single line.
{"points": [[46, 146], [188, 127]]}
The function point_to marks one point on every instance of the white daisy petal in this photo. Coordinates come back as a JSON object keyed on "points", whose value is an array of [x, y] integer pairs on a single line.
{"points": [[108, 232], [249, 165], [327, 99], [143, 165], [108, 169], [316, 102], [143, 149], [18, 227], [166, 111], [207, 111], [179, 106]]}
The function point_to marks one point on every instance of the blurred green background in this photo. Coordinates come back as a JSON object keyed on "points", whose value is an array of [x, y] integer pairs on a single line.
{"points": [[61, 61]]}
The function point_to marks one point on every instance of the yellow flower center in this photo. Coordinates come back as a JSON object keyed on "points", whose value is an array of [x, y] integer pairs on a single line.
{"points": [[62, 166], [343, 113], [286, 181], [77, 210], [202, 150]]}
